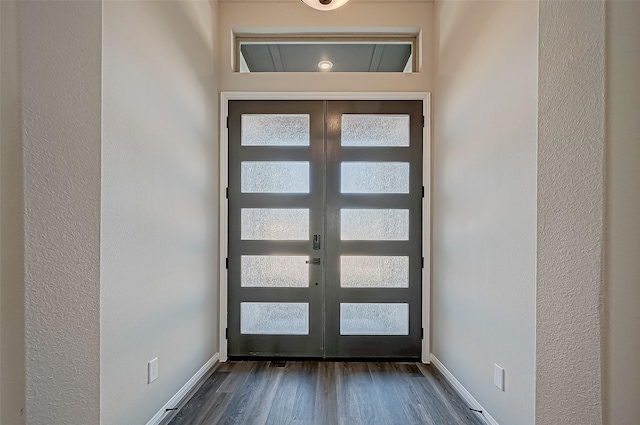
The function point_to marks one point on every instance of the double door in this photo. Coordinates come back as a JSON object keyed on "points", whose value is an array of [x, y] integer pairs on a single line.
{"points": [[325, 228]]}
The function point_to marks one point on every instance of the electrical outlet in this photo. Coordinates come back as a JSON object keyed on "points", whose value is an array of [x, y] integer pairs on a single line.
{"points": [[498, 377], [152, 370]]}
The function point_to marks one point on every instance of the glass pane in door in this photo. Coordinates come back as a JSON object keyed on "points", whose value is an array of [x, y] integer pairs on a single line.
{"points": [[374, 271], [274, 177], [374, 225], [374, 177], [274, 271], [374, 319], [275, 130], [375, 130], [274, 224], [274, 318]]}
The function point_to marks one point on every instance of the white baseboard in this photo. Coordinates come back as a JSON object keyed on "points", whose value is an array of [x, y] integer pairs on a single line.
{"points": [[462, 391], [158, 417]]}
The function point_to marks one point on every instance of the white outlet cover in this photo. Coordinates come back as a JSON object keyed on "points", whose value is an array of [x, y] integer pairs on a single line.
{"points": [[153, 370], [498, 377]]}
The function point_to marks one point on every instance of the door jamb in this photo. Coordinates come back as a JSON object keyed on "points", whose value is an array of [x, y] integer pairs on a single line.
{"points": [[223, 236]]}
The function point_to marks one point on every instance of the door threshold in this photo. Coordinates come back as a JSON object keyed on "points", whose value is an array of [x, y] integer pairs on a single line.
{"points": [[278, 359]]}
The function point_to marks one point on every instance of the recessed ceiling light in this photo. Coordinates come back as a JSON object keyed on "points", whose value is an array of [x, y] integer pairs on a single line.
{"points": [[325, 65]]}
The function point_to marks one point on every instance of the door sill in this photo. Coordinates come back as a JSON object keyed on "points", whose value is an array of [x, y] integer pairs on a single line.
{"points": [[324, 359]]}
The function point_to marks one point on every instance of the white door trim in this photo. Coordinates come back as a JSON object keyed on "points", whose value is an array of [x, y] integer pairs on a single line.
{"points": [[225, 97]]}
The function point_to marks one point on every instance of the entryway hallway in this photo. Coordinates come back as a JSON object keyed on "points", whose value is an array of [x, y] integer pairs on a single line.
{"points": [[325, 393]]}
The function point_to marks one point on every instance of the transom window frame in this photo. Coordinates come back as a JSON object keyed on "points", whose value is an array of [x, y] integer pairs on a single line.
{"points": [[329, 38]]}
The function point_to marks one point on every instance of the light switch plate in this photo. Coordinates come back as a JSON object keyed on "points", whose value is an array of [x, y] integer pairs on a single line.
{"points": [[498, 377], [153, 370]]}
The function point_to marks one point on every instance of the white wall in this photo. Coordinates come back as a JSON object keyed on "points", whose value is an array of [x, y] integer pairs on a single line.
{"points": [[570, 212], [295, 16], [484, 200], [60, 46], [12, 398], [623, 199], [159, 202]]}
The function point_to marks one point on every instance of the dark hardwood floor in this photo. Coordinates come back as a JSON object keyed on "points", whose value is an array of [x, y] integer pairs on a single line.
{"points": [[325, 393]]}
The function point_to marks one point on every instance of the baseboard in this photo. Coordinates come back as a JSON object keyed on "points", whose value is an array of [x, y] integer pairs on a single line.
{"points": [[462, 391], [181, 394]]}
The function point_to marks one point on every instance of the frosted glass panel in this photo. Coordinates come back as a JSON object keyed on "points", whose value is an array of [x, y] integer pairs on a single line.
{"points": [[374, 319], [375, 130], [274, 224], [374, 225], [274, 318], [274, 177], [274, 271], [375, 177], [275, 130], [374, 272]]}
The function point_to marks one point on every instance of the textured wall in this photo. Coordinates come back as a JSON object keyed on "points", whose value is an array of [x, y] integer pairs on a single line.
{"points": [[296, 16], [159, 202], [570, 212], [12, 397], [60, 58], [484, 200], [623, 199]]}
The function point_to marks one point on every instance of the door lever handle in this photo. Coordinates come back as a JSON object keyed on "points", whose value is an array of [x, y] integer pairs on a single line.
{"points": [[313, 261]]}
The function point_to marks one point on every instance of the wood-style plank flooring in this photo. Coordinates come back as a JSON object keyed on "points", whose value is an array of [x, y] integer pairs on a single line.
{"points": [[325, 393]]}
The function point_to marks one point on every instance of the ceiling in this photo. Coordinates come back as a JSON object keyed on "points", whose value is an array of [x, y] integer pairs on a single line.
{"points": [[292, 1], [346, 57]]}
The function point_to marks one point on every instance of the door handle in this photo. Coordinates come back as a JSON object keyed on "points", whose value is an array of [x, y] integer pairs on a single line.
{"points": [[313, 261]]}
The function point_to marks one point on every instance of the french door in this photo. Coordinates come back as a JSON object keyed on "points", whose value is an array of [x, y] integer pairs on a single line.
{"points": [[325, 228]]}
